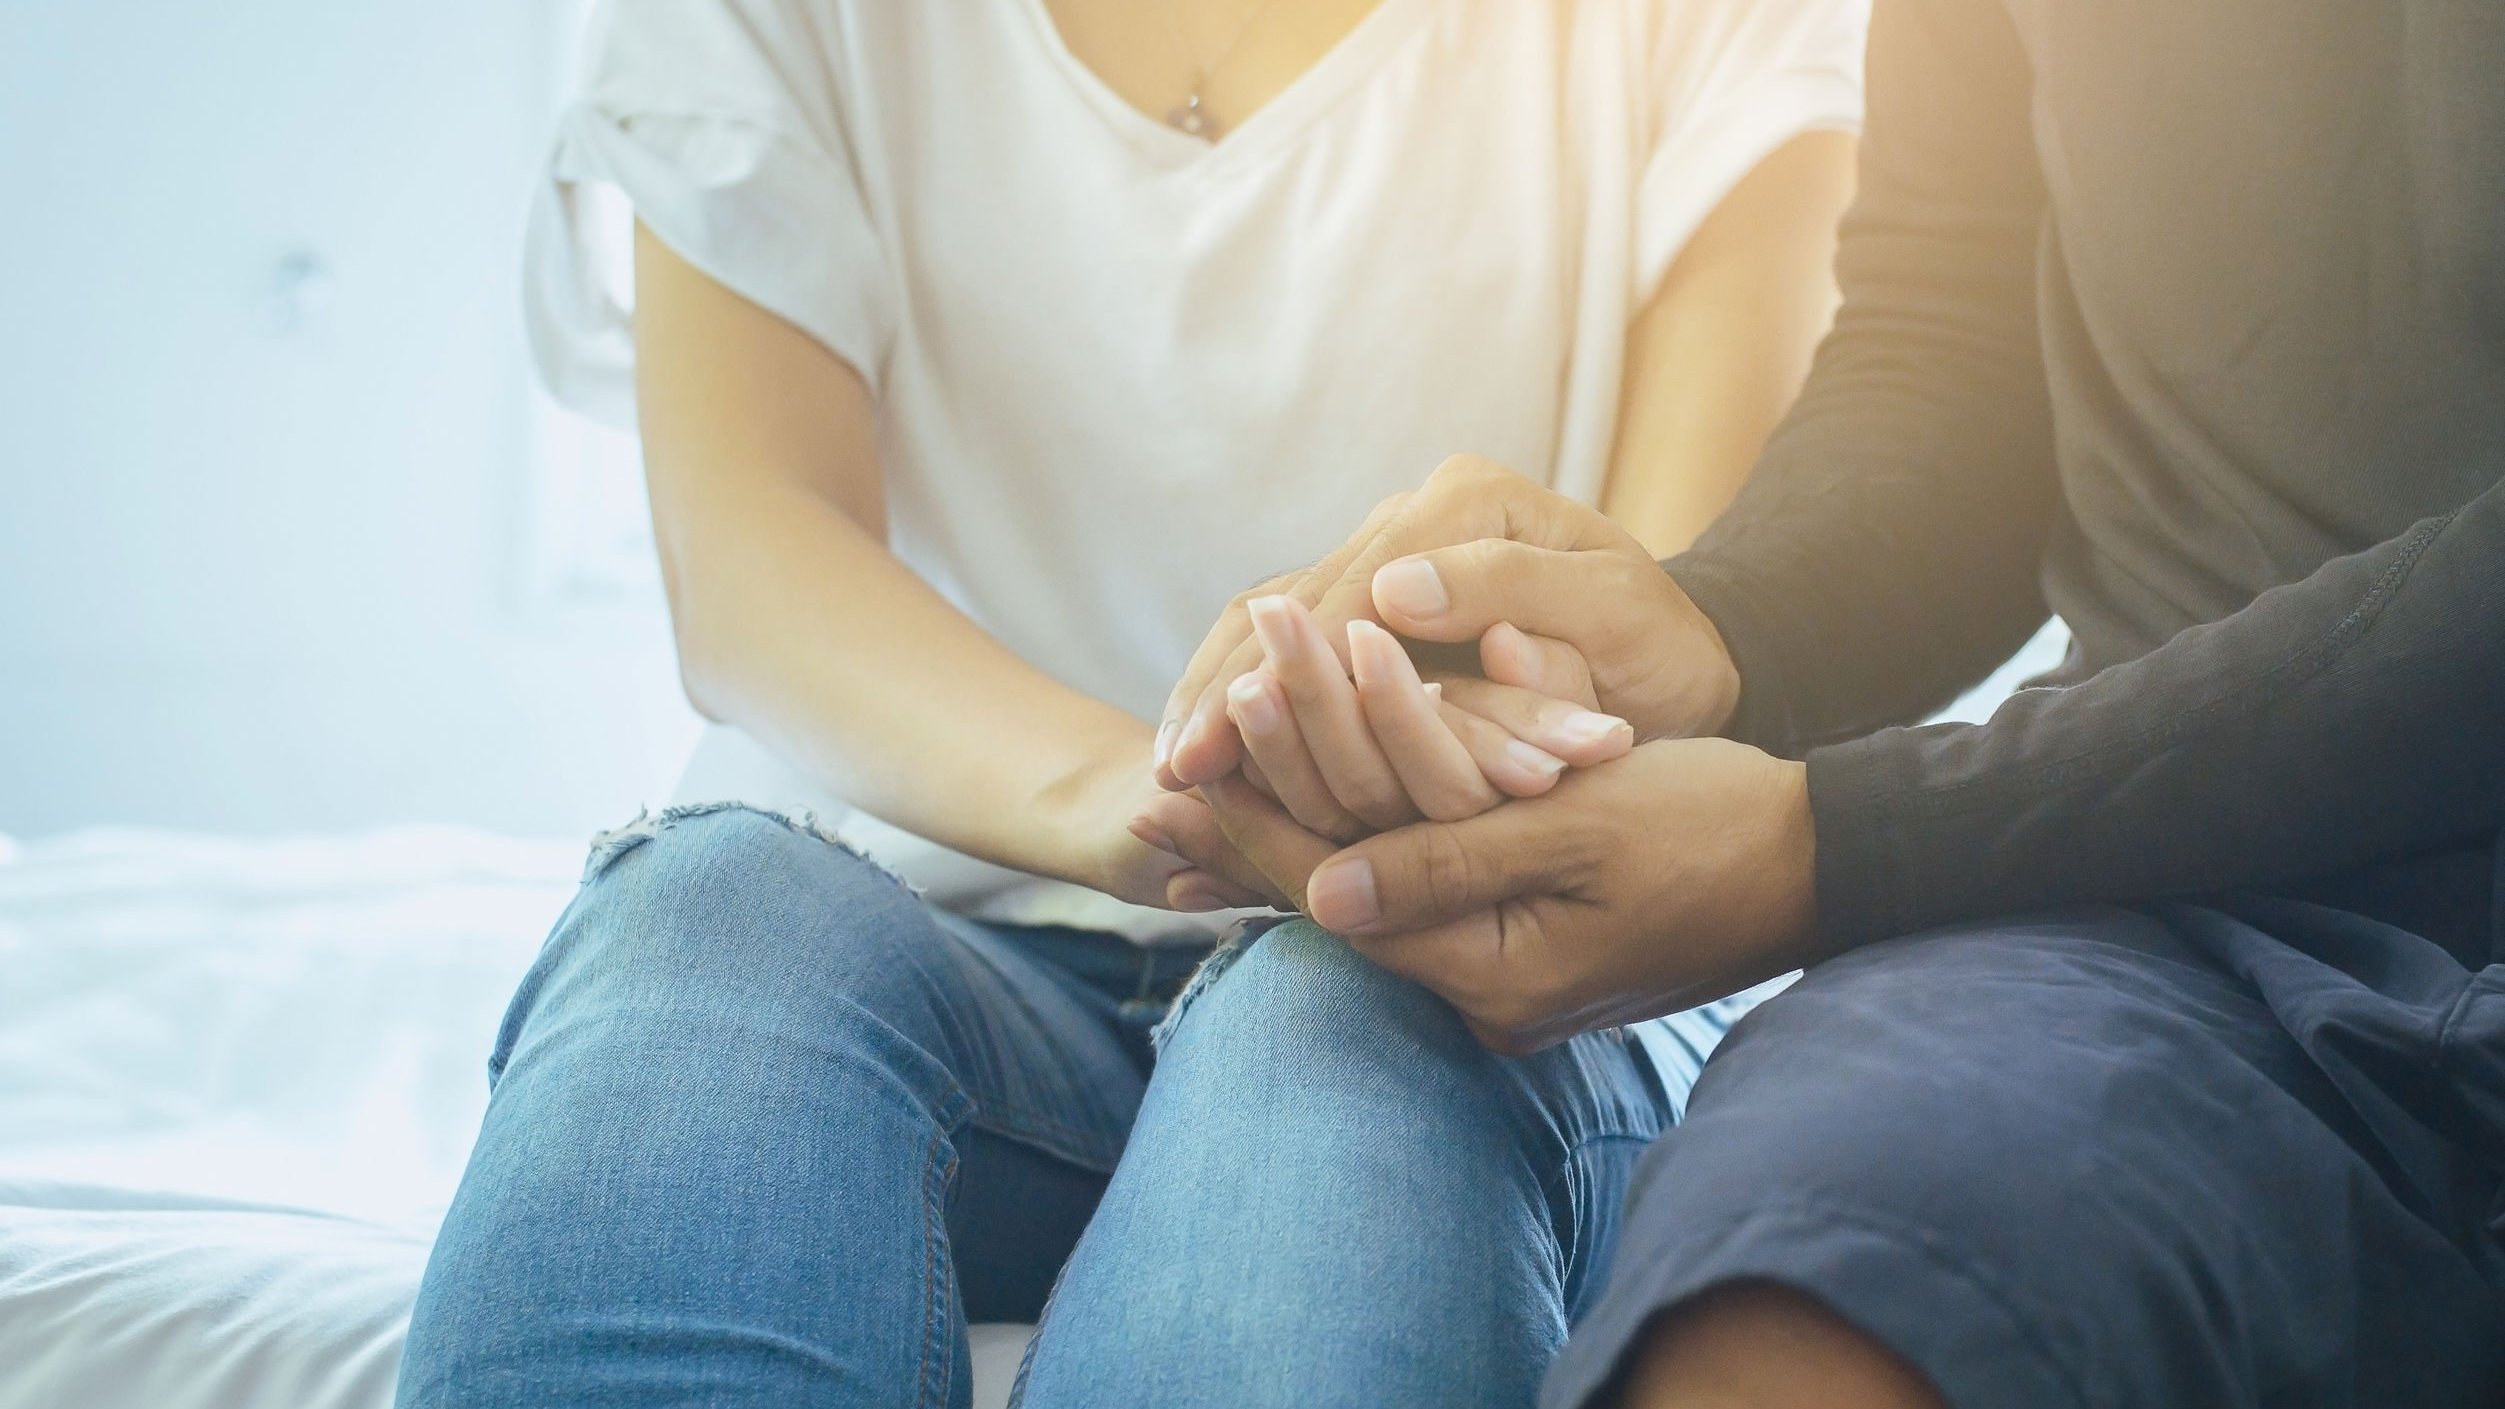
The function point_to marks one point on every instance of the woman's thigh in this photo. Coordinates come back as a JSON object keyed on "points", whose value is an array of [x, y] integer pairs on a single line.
{"points": [[1333, 1195], [741, 1103]]}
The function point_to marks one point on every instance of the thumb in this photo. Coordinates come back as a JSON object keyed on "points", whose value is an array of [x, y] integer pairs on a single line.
{"points": [[1423, 875], [1457, 593]]}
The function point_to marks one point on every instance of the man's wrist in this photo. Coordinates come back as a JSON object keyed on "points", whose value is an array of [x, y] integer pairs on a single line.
{"points": [[1794, 859], [1717, 678], [1731, 675]]}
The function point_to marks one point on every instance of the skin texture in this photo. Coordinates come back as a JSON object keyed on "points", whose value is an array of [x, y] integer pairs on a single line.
{"points": [[1554, 913], [1656, 882], [1149, 54], [1755, 1345], [1587, 613]]}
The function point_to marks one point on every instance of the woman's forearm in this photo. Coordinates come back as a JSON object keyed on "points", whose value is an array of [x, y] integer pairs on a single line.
{"points": [[794, 621], [809, 635]]}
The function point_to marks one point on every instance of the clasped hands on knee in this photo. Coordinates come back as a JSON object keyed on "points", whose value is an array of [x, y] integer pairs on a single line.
{"points": [[1519, 808]]}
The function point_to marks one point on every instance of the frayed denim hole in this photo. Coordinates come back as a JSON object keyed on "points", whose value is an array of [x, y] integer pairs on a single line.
{"points": [[608, 846], [1213, 968]]}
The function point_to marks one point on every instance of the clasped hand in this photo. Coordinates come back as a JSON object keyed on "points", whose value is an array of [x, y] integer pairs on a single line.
{"points": [[1529, 825]]}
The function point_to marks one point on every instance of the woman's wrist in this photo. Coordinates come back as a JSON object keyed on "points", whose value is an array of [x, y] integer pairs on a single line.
{"points": [[1082, 803]]}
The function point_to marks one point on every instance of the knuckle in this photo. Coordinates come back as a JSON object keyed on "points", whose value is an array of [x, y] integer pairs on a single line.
{"points": [[1323, 819], [1631, 575], [1380, 804], [1457, 477], [1449, 801], [1446, 871], [1478, 558]]}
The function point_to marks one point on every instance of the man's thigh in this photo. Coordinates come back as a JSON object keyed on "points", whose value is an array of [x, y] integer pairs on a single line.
{"points": [[2071, 1159]]}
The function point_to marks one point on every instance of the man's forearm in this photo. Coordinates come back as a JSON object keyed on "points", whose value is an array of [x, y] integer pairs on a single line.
{"points": [[1885, 554], [2353, 717]]}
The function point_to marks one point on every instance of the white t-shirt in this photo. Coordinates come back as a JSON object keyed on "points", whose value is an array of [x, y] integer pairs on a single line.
{"points": [[1123, 374]]}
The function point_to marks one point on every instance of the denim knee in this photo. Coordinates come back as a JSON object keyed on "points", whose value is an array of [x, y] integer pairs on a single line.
{"points": [[1298, 986], [718, 909]]}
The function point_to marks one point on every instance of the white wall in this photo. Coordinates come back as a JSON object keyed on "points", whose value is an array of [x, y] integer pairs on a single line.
{"points": [[274, 561]]}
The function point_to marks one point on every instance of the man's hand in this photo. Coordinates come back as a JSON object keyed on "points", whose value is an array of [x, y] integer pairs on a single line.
{"points": [[1473, 555], [1675, 875]]}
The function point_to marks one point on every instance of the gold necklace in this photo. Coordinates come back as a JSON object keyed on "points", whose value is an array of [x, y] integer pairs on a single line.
{"points": [[1192, 117]]}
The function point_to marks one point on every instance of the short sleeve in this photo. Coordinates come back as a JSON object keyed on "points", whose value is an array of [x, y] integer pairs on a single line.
{"points": [[1730, 82], [720, 124]]}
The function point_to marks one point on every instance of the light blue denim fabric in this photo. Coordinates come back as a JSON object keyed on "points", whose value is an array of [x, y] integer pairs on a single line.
{"points": [[766, 1129]]}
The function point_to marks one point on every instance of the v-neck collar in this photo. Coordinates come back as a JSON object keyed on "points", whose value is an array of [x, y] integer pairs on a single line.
{"points": [[1344, 66]]}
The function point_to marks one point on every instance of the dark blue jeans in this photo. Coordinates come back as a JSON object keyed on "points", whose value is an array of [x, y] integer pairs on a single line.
{"points": [[2240, 1153], [767, 1130]]}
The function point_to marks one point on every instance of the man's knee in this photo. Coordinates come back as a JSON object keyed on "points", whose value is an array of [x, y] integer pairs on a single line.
{"points": [[1961, 1139], [1972, 1068], [1762, 1343]]}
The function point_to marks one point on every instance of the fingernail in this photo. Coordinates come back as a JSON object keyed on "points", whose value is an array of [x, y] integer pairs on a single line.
{"points": [[1153, 835], [1165, 741], [1585, 727], [1270, 624], [1435, 689], [1194, 730], [1538, 760], [1342, 897], [1367, 644], [1414, 589], [1249, 699]]}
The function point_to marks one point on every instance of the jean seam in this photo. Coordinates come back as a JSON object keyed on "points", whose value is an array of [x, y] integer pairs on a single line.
{"points": [[1565, 1171], [938, 1273]]}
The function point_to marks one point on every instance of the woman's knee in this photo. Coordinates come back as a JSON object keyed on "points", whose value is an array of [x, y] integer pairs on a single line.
{"points": [[1300, 992], [722, 914]]}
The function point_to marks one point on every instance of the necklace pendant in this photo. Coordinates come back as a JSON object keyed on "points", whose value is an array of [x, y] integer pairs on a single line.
{"points": [[1193, 120]]}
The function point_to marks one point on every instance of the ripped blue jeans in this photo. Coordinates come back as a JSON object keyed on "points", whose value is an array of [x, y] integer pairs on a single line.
{"points": [[767, 1129]]}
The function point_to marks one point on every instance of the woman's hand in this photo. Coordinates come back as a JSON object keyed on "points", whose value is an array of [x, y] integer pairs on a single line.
{"points": [[1091, 828], [1354, 752], [1351, 753], [1476, 547]]}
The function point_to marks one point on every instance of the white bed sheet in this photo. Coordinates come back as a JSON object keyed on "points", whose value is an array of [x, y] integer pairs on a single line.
{"points": [[238, 1082]]}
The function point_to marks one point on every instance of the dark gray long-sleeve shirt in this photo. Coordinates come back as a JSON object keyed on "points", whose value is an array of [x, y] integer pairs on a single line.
{"points": [[2186, 321]]}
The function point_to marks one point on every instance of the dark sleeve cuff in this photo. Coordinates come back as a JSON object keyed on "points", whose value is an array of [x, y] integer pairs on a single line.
{"points": [[1866, 874], [1747, 625]]}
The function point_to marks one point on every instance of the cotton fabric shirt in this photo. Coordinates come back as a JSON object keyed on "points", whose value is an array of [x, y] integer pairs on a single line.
{"points": [[2188, 320], [1123, 374]]}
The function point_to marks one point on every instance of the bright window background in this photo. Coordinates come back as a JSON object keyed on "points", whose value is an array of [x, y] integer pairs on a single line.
{"points": [[288, 539]]}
